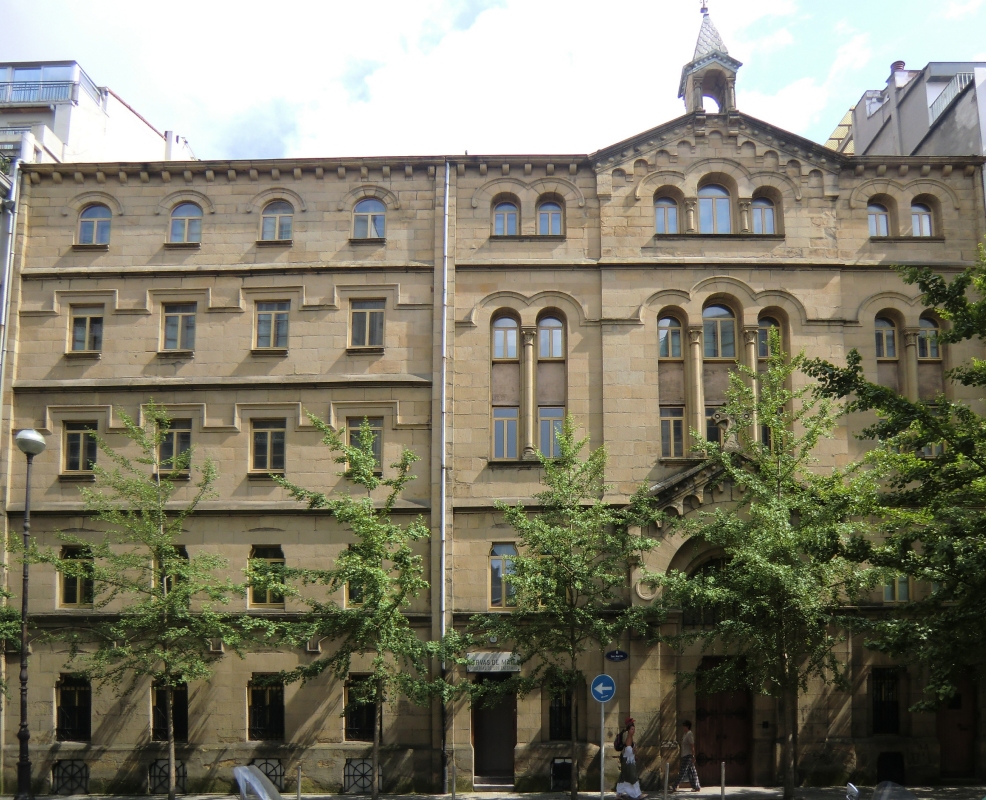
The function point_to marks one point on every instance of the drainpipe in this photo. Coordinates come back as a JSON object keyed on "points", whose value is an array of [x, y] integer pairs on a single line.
{"points": [[443, 485]]}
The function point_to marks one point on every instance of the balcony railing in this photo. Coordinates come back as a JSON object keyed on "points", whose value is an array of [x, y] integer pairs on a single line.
{"points": [[42, 92], [956, 85]]}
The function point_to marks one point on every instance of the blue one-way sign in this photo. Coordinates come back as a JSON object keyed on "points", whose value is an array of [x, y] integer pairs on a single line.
{"points": [[603, 688]]}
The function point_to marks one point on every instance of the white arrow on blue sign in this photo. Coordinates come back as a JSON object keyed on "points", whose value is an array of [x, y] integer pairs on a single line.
{"points": [[603, 688]]}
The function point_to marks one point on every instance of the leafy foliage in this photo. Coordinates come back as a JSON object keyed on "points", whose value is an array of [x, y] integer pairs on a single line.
{"points": [[570, 577], [934, 456], [160, 606], [790, 546]]}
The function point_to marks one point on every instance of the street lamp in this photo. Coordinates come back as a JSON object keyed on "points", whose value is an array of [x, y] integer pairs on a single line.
{"points": [[31, 443]]}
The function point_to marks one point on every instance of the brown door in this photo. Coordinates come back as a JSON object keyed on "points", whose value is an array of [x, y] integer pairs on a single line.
{"points": [[722, 733], [957, 732], [494, 735]]}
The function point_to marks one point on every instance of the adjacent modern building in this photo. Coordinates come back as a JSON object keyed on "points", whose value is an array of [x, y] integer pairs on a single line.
{"points": [[620, 286], [53, 112]]}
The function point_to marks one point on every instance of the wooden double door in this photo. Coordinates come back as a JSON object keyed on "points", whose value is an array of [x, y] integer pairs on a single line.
{"points": [[723, 733]]}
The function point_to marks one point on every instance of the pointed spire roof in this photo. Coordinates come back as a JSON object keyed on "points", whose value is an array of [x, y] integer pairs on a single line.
{"points": [[709, 40]]}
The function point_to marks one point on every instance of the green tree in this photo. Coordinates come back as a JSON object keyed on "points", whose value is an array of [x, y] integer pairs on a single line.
{"points": [[935, 455], [570, 579], [379, 567], [160, 607], [791, 544]]}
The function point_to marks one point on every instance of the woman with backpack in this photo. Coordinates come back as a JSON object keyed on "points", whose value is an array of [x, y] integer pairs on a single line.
{"points": [[629, 784]]}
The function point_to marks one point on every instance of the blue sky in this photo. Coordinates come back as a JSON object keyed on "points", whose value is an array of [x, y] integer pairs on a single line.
{"points": [[408, 77]]}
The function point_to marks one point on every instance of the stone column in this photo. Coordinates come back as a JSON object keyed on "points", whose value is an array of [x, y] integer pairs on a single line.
{"points": [[751, 339], [690, 216], [528, 410], [911, 363], [697, 415], [746, 225]]}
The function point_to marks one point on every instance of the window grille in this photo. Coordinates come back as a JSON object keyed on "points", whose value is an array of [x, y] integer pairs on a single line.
{"points": [[157, 777], [70, 777]]}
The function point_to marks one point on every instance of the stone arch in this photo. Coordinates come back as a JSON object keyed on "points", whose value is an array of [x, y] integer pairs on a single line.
{"points": [[277, 193], [369, 190], [935, 188], [668, 177], [905, 310], [776, 180], [527, 308], [185, 196], [733, 175], [484, 195], [560, 187], [74, 206], [861, 195]]}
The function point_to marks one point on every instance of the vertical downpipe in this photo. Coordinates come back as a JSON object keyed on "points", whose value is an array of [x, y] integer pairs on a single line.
{"points": [[443, 460]]}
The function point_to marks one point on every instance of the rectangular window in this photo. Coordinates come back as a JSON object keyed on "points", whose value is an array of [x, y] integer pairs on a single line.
{"points": [[179, 326], [272, 324], [359, 714], [560, 718], [376, 426], [367, 323], [80, 446], [179, 713], [505, 432], [74, 710], [174, 442], [898, 590], [268, 445], [713, 432], [267, 596], [549, 425], [672, 431], [886, 701], [77, 588], [266, 717], [502, 594], [87, 329]]}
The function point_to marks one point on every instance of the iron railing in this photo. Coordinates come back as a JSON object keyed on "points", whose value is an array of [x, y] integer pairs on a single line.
{"points": [[944, 100], [36, 92]]}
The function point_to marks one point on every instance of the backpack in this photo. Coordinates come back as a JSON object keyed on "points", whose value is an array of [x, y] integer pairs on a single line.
{"points": [[618, 741]]}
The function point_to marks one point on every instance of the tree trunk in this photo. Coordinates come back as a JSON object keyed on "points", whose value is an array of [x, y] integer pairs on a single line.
{"points": [[573, 718], [788, 719], [377, 733], [169, 714]]}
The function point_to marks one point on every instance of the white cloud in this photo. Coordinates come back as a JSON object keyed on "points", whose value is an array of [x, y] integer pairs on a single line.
{"points": [[957, 9]]}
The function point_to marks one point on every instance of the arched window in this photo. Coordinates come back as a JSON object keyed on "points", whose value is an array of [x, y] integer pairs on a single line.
{"points": [[713, 209], [886, 339], [186, 223], [549, 219], [719, 332], [502, 594], [505, 219], [879, 218], [763, 215], [369, 219], [505, 338], [921, 220], [695, 616], [669, 337], [665, 215], [763, 335], [276, 221], [928, 346], [550, 338], [94, 225]]}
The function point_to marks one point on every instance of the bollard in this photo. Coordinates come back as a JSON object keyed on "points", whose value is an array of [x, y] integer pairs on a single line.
{"points": [[722, 779], [299, 780], [667, 777]]}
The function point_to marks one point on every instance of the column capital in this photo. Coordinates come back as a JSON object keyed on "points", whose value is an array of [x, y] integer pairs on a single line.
{"points": [[911, 337], [695, 334], [529, 334], [751, 335]]}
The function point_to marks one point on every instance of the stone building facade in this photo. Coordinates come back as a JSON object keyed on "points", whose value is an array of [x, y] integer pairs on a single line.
{"points": [[619, 287]]}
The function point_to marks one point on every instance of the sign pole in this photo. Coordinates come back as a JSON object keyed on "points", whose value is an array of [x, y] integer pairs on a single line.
{"points": [[602, 751]]}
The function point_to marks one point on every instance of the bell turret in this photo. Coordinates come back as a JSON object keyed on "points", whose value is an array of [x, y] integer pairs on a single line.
{"points": [[711, 72]]}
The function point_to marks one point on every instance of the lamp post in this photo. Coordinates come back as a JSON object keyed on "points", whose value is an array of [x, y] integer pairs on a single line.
{"points": [[31, 443]]}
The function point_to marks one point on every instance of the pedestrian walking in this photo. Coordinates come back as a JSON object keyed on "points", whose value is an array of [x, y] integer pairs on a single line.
{"points": [[629, 784], [688, 771]]}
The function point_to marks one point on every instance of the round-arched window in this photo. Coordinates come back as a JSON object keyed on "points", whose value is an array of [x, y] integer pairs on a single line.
{"points": [[369, 219], [719, 332], [763, 215], [928, 346], [766, 325], [713, 209], [669, 337], [505, 219], [551, 338], [186, 223], [879, 219], [549, 219], [665, 215], [921, 224], [886, 338], [505, 338], [94, 225], [276, 221]]}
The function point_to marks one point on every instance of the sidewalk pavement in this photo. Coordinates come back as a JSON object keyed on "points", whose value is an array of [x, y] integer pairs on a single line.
{"points": [[737, 792]]}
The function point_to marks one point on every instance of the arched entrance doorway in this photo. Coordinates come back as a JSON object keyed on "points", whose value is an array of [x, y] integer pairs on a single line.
{"points": [[723, 733]]}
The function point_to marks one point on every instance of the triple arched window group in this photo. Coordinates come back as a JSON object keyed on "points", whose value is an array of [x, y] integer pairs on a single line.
{"points": [[276, 222], [549, 217], [715, 213], [881, 221]]}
